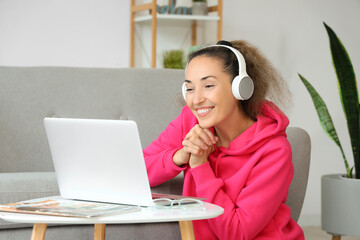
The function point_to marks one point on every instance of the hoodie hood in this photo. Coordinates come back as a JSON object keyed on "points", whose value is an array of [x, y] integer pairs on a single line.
{"points": [[271, 122]]}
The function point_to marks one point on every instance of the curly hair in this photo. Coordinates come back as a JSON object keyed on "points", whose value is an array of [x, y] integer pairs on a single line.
{"points": [[268, 84]]}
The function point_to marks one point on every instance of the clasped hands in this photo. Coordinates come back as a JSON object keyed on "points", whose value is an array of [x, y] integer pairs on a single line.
{"points": [[197, 146]]}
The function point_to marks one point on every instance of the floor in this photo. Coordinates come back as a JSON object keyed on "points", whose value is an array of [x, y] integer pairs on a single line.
{"points": [[316, 233]]}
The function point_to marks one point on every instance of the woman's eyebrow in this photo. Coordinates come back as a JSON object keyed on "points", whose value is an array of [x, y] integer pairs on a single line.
{"points": [[202, 79], [206, 77]]}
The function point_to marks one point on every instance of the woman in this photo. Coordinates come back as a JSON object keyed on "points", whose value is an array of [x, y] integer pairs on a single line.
{"points": [[233, 152]]}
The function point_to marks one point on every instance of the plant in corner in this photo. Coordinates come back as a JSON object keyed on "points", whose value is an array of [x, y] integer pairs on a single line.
{"points": [[340, 195], [349, 99]]}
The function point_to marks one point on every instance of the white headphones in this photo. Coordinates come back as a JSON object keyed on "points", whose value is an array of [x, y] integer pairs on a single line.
{"points": [[242, 85]]}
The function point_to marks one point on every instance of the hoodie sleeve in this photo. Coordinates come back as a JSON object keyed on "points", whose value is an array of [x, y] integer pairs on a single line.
{"points": [[159, 154], [262, 192]]}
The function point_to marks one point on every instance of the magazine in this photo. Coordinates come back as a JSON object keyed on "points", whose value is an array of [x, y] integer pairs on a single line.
{"points": [[67, 208]]}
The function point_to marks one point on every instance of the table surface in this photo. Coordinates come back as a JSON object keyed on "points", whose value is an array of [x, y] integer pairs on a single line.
{"points": [[145, 215]]}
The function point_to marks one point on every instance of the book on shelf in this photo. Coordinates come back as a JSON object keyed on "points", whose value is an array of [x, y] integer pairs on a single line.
{"points": [[57, 206]]}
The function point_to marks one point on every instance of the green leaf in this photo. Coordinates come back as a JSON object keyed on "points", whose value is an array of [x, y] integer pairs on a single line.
{"points": [[348, 92], [325, 118], [349, 173]]}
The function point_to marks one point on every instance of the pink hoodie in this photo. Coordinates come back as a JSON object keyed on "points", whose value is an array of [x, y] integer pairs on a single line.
{"points": [[250, 179]]}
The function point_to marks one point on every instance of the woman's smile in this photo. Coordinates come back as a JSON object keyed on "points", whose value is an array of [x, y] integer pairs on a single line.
{"points": [[202, 112]]}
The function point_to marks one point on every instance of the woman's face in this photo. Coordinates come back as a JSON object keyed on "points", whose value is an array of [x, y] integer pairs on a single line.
{"points": [[209, 94]]}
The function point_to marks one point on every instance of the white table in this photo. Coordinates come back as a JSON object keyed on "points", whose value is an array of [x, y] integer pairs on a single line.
{"points": [[146, 215]]}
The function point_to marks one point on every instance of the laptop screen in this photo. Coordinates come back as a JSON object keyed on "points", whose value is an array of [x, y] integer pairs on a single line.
{"points": [[99, 160]]}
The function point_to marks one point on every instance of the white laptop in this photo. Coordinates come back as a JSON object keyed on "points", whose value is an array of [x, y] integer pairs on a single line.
{"points": [[99, 160]]}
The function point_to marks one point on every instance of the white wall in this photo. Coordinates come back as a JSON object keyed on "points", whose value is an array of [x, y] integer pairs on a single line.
{"points": [[292, 36], [94, 33], [85, 33]]}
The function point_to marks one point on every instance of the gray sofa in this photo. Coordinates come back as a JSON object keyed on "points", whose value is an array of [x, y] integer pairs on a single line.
{"points": [[28, 94], [151, 97]]}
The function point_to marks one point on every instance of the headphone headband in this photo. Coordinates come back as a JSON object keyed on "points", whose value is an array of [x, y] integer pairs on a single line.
{"points": [[239, 57]]}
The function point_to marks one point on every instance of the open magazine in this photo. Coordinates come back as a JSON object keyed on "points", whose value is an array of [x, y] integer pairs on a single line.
{"points": [[58, 206]]}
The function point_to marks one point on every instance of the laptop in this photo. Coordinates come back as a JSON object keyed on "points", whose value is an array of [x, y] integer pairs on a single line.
{"points": [[99, 160]]}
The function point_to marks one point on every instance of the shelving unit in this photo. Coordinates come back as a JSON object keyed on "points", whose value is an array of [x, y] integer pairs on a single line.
{"points": [[153, 16]]}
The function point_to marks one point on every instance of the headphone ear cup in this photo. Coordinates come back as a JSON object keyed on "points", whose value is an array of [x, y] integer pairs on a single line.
{"points": [[183, 90], [242, 87]]}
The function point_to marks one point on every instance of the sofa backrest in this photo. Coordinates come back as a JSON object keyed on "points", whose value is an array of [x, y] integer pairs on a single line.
{"points": [[151, 97]]}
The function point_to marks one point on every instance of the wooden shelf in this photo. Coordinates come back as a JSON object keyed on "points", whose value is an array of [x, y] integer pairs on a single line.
{"points": [[177, 17], [152, 16]]}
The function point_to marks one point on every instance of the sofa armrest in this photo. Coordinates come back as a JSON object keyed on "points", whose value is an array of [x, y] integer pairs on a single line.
{"points": [[15, 187]]}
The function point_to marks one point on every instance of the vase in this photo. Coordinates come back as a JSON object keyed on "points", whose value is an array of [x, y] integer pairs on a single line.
{"points": [[340, 205], [199, 8]]}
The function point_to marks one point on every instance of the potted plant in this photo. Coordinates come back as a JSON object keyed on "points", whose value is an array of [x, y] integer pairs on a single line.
{"points": [[340, 193], [199, 7], [173, 59]]}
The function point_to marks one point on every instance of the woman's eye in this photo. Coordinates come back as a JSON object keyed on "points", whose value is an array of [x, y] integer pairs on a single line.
{"points": [[188, 89], [209, 86]]}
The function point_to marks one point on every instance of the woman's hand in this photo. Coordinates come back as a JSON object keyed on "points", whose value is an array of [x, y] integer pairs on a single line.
{"points": [[197, 146], [181, 157]]}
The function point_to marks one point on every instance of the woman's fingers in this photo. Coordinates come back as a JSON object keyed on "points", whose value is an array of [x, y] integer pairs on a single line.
{"points": [[198, 143], [210, 136], [204, 134], [198, 140], [189, 147]]}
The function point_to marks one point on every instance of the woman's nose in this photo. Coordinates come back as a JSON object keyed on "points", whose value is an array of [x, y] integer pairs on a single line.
{"points": [[198, 97]]}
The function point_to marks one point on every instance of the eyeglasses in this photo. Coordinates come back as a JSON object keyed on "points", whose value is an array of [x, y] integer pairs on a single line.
{"points": [[187, 204]]}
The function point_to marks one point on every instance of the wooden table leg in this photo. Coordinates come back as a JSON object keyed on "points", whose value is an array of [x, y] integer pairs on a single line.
{"points": [[186, 230], [39, 230], [336, 237], [99, 231]]}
